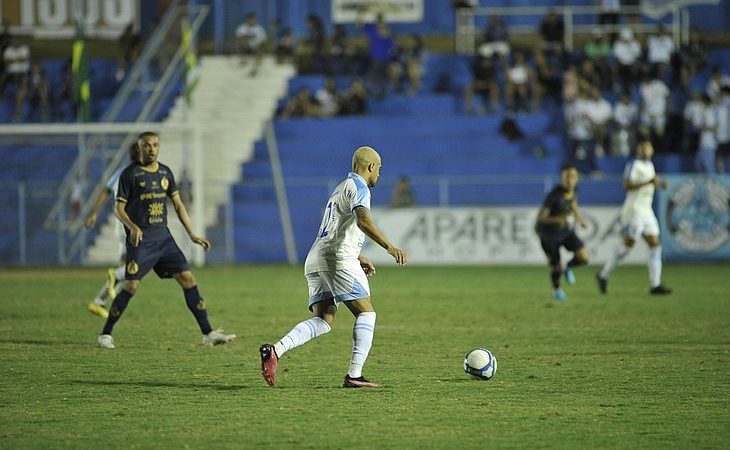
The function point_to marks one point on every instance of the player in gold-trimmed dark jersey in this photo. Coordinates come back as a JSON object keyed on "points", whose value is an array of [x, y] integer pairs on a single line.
{"points": [[144, 187]]}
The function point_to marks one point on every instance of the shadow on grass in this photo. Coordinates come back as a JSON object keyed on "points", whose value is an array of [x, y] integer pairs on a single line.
{"points": [[163, 384]]}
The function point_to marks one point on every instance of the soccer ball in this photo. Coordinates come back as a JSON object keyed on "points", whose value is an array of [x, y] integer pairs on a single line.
{"points": [[480, 364]]}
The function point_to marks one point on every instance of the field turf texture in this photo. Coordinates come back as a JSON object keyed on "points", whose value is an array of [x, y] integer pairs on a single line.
{"points": [[627, 370]]}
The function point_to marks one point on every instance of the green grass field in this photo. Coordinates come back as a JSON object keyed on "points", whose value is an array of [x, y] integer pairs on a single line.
{"points": [[623, 371]]}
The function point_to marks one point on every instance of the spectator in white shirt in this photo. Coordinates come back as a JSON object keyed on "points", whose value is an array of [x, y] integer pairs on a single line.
{"points": [[660, 47], [626, 52], [250, 39], [17, 67], [717, 81], [580, 131], [625, 114], [326, 98], [599, 112], [654, 95]]}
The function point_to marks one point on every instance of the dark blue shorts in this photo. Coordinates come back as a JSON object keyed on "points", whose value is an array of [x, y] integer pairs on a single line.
{"points": [[161, 254], [551, 244]]}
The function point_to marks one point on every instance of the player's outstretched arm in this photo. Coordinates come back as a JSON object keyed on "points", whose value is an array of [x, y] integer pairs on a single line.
{"points": [[366, 224], [182, 214], [91, 218]]}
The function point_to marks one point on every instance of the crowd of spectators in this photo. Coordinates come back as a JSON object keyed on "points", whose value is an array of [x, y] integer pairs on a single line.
{"points": [[27, 88], [618, 85]]}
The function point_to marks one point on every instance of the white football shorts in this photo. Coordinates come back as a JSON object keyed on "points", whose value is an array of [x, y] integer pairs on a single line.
{"points": [[339, 285], [642, 226]]}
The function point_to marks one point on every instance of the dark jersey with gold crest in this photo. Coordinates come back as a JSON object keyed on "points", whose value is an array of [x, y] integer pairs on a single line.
{"points": [[145, 193], [558, 205]]}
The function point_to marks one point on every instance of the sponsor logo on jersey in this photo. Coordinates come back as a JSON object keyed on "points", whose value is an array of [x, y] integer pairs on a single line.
{"points": [[132, 268], [164, 183]]}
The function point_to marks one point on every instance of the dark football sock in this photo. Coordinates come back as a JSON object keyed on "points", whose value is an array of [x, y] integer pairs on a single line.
{"points": [[196, 305], [555, 278], [115, 312]]}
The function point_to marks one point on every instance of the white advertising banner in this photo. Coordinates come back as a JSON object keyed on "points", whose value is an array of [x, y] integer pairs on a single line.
{"points": [[347, 11], [438, 236], [105, 19]]}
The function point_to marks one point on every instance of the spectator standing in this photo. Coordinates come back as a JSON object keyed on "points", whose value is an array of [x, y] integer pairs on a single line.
{"points": [[716, 82], [598, 51], [17, 66], [660, 48], [626, 52], [580, 131], [552, 33], [311, 51], [38, 88], [609, 14], [654, 95], [250, 40], [380, 43], [599, 112], [341, 51], [625, 114]]}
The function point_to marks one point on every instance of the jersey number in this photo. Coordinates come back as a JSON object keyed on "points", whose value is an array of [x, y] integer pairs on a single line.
{"points": [[328, 219]]}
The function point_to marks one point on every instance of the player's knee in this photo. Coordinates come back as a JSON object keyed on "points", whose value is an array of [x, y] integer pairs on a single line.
{"points": [[131, 286], [186, 279]]}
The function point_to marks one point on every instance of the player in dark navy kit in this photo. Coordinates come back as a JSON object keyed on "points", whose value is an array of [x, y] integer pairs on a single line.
{"points": [[555, 226], [144, 188]]}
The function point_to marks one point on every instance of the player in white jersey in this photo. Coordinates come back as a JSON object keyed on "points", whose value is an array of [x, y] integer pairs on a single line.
{"points": [[638, 219], [337, 273], [114, 275]]}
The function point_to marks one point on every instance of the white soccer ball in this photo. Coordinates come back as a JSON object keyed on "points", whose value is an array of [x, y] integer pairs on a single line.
{"points": [[480, 364]]}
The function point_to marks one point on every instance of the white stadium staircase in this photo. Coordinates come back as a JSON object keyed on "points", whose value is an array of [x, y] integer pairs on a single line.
{"points": [[232, 109]]}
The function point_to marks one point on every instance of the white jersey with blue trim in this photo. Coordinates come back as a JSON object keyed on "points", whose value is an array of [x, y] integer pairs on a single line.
{"points": [[112, 184], [638, 201], [339, 239]]}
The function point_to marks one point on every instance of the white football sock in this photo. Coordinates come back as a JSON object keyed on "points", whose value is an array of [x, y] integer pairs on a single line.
{"points": [[655, 266], [362, 340], [304, 331], [119, 273], [618, 254]]}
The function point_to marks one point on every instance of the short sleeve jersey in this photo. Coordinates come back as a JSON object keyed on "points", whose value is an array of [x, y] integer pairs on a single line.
{"points": [[339, 240], [112, 184], [145, 193], [638, 201], [558, 205]]}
